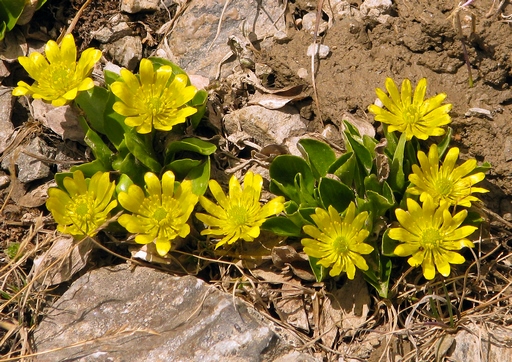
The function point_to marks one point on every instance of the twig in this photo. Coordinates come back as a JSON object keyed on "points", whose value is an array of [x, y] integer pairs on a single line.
{"points": [[71, 26], [320, 4]]}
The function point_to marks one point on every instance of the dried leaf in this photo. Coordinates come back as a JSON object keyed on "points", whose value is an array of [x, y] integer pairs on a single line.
{"points": [[65, 258], [347, 308]]}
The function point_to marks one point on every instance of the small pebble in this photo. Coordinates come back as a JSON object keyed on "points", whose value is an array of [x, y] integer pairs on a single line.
{"points": [[322, 50], [4, 181], [302, 73]]}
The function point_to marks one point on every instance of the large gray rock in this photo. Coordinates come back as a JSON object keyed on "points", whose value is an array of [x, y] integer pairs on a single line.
{"points": [[120, 314], [6, 126], [193, 43]]}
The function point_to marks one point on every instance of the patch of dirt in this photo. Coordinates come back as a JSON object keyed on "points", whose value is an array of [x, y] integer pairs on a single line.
{"points": [[417, 41]]}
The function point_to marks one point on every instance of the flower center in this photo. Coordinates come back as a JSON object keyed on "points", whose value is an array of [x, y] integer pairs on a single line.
{"points": [[411, 114], [238, 215], [340, 245], [61, 77], [160, 214], [81, 212], [443, 186], [431, 239]]}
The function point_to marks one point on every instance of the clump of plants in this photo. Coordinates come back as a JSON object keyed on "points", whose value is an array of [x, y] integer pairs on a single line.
{"points": [[403, 195], [13, 12]]}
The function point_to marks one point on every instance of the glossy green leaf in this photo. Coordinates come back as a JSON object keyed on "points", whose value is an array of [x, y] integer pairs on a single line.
{"points": [[99, 149], [90, 168], [10, 11], [93, 103], [182, 167], [123, 183], [396, 177], [200, 175], [198, 102], [133, 168], [110, 77], [335, 193], [140, 146], [344, 168], [59, 178], [281, 225], [318, 270], [189, 144], [378, 203], [114, 125], [442, 146], [306, 212], [381, 281], [388, 245], [158, 62], [363, 155], [283, 170], [319, 155]]}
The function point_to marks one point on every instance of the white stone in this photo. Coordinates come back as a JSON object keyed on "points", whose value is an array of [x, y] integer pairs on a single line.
{"points": [[322, 50]]}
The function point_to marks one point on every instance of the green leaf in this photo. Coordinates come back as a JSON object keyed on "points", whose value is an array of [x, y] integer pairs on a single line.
{"points": [[200, 175], [123, 183], [198, 102], [442, 146], [484, 167], [40, 3], [344, 168], [59, 178], [281, 225], [388, 245], [318, 154], [396, 175], [90, 168], [319, 271], [114, 125], [189, 144], [305, 213], [110, 77], [381, 282], [133, 168], [10, 11], [93, 103], [335, 193], [283, 170], [363, 154], [182, 167], [140, 147], [99, 149], [158, 62]]}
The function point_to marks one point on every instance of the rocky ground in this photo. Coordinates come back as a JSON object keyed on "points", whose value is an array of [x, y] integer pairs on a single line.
{"points": [[252, 57]]}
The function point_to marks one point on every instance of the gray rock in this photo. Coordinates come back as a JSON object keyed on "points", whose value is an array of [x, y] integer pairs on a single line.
{"points": [[135, 6], [265, 126], [127, 51], [116, 29], [140, 314], [61, 120], [6, 126], [482, 343], [30, 168], [193, 43]]}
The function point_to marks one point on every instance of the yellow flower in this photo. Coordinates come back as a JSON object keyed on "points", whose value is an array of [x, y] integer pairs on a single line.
{"points": [[152, 100], [61, 77], [430, 234], [162, 214], [239, 215], [445, 182], [84, 206], [410, 114], [338, 243]]}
